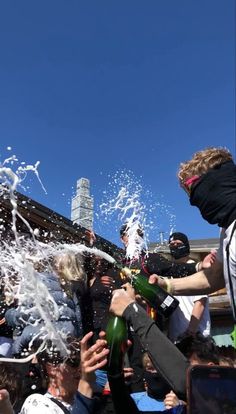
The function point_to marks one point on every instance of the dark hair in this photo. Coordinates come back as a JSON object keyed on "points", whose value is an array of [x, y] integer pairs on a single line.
{"points": [[224, 360], [125, 229], [10, 380], [203, 346], [53, 356]]}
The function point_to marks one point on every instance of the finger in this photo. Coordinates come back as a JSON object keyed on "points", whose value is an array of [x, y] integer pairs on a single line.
{"points": [[84, 341], [129, 343], [100, 344], [95, 359], [97, 366], [107, 284], [153, 279], [116, 292], [126, 285], [102, 335], [108, 278], [101, 347]]}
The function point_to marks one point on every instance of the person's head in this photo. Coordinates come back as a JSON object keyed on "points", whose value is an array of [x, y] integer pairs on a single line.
{"points": [[201, 162], [209, 178], [157, 387], [69, 267], [179, 245], [199, 349], [226, 361], [62, 373], [127, 231]]}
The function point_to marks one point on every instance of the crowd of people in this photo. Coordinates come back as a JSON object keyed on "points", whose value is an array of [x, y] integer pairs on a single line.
{"points": [[87, 289]]}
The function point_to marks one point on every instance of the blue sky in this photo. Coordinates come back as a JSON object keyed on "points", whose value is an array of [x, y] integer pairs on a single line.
{"points": [[91, 88]]}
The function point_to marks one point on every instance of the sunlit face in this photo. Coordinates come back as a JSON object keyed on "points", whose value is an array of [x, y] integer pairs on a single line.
{"points": [[69, 377], [65, 377]]}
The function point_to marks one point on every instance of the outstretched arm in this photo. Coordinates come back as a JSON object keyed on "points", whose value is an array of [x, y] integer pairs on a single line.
{"points": [[166, 358], [202, 283]]}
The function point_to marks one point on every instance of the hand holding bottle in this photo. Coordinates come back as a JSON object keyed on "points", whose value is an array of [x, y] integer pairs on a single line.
{"points": [[157, 280], [121, 299]]}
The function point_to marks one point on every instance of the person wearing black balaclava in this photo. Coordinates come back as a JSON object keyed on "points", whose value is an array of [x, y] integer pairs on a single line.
{"points": [[179, 247], [192, 314], [209, 179]]}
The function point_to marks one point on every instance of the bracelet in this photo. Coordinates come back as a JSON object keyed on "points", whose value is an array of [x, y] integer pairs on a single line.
{"points": [[197, 267], [169, 287]]}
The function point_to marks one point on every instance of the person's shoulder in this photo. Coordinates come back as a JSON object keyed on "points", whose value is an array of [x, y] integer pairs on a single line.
{"points": [[153, 256], [36, 404]]}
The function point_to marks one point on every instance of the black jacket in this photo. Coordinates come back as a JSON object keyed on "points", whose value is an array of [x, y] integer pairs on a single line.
{"points": [[166, 358], [158, 264]]}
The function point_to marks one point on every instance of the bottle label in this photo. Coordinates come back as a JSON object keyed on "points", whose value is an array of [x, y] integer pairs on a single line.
{"points": [[168, 300]]}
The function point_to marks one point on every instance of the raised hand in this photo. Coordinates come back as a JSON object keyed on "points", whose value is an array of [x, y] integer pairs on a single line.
{"points": [[92, 358]]}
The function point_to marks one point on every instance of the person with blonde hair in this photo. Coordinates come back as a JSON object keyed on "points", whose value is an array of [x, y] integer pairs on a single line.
{"points": [[69, 267], [209, 179], [58, 280]]}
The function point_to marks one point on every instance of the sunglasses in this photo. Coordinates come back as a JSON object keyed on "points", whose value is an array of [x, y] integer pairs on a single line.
{"points": [[188, 184]]}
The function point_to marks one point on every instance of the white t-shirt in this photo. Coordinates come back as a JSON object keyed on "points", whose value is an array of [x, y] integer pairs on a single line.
{"points": [[42, 404], [222, 257], [180, 318]]}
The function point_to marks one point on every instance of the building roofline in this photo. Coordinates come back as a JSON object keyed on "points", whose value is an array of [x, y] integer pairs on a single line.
{"points": [[39, 215]]}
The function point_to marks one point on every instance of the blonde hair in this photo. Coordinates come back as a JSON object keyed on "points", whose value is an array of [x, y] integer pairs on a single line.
{"points": [[202, 161], [69, 267]]}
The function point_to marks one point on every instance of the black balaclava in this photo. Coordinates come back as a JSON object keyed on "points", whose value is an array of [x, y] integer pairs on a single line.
{"points": [[215, 194], [179, 251], [157, 387]]}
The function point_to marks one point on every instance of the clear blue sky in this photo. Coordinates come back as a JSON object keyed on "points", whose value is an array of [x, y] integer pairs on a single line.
{"points": [[89, 88]]}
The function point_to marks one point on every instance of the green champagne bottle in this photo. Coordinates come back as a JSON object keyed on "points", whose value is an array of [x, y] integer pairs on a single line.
{"points": [[157, 297], [116, 336], [154, 295]]}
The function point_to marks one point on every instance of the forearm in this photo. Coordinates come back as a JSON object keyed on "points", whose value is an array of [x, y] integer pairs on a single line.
{"points": [[85, 388], [204, 282], [166, 358], [196, 316]]}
